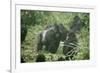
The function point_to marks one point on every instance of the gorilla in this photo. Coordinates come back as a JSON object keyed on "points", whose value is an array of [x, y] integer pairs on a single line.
{"points": [[71, 41], [77, 24], [23, 32], [50, 37]]}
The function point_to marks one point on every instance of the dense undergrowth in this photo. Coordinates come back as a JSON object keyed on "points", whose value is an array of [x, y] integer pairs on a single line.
{"points": [[36, 22]]}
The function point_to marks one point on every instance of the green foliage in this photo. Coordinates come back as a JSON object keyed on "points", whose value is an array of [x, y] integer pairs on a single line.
{"points": [[36, 22]]}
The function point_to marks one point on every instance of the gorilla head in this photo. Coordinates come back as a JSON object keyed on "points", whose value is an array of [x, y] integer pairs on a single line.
{"points": [[76, 24], [51, 37]]}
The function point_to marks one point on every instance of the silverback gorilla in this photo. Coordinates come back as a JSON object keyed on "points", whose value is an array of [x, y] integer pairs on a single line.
{"points": [[50, 37]]}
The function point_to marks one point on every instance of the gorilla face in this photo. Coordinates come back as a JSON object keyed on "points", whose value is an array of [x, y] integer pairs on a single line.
{"points": [[51, 37], [76, 24]]}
